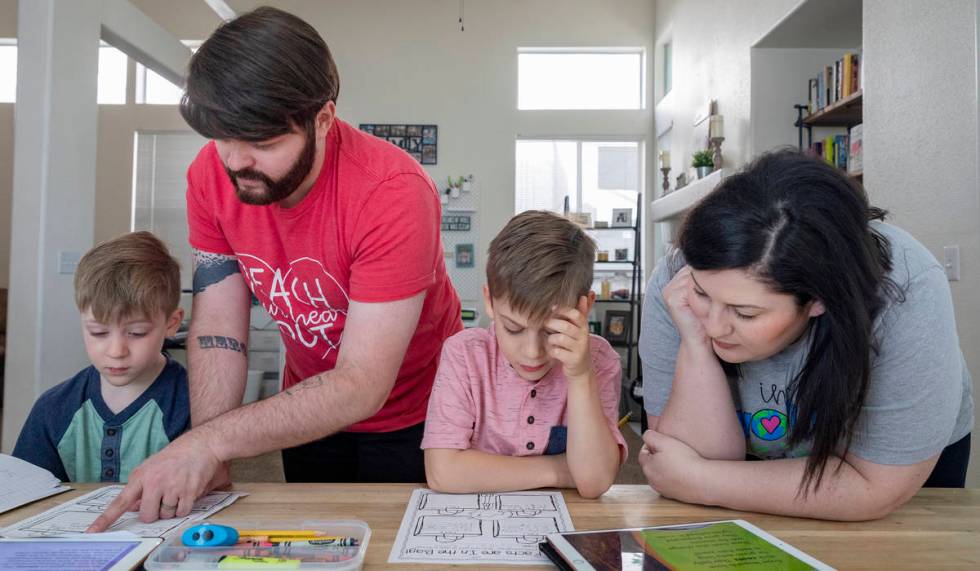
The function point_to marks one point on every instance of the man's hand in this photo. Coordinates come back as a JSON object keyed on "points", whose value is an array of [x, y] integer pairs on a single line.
{"points": [[166, 484], [672, 468], [569, 340]]}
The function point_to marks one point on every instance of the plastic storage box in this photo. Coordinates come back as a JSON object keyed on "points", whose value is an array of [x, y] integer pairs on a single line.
{"points": [[173, 554]]}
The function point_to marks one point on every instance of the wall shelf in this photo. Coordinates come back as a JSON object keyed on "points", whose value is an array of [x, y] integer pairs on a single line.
{"points": [[846, 112], [678, 202]]}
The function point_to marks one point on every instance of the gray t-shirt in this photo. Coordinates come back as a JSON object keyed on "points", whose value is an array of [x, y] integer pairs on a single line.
{"points": [[919, 398]]}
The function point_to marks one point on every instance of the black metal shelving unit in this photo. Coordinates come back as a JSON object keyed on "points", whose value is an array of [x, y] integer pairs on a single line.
{"points": [[632, 302]]}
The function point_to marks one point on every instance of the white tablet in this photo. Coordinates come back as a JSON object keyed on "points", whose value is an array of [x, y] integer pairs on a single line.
{"points": [[88, 554]]}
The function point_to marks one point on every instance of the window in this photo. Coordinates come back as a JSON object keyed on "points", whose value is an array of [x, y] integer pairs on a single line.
{"points": [[8, 70], [159, 182], [580, 78], [596, 176], [668, 67], [113, 73], [153, 89]]}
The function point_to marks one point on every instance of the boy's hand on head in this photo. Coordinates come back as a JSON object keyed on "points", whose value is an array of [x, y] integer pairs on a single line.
{"points": [[569, 339]]}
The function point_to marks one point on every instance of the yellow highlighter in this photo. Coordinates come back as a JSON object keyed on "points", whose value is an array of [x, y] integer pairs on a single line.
{"points": [[238, 562]]}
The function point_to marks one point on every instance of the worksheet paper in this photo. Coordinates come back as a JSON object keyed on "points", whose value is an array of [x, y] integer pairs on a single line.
{"points": [[76, 515], [479, 529], [22, 483]]}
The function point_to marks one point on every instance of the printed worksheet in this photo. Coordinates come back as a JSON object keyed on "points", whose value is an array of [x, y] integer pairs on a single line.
{"points": [[479, 529], [22, 483], [76, 515]]}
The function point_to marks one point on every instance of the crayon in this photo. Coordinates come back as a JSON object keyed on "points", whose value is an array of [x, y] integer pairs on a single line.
{"points": [[338, 542]]}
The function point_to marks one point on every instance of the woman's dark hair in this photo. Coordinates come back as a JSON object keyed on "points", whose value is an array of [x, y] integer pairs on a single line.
{"points": [[801, 226], [261, 75]]}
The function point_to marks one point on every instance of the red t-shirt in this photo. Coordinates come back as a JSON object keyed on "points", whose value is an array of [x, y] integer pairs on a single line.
{"points": [[367, 231]]}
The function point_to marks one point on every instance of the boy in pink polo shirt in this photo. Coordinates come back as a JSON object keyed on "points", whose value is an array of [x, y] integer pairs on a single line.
{"points": [[531, 401]]}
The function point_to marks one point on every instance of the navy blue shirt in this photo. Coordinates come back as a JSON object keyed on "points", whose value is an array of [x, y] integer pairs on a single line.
{"points": [[72, 433]]}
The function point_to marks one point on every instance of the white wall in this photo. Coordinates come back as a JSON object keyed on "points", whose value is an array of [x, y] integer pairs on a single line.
{"points": [[711, 45], [920, 140], [399, 62]]}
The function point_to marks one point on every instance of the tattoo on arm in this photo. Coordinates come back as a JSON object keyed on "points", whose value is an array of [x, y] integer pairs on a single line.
{"points": [[310, 383], [210, 268], [218, 342]]}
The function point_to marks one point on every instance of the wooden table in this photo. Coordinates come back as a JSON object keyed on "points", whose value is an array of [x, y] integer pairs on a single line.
{"points": [[937, 529]]}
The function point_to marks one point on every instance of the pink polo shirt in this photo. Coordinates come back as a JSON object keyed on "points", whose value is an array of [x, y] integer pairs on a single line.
{"points": [[479, 402]]}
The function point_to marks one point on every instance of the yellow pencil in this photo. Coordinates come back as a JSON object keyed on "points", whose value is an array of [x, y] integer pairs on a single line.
{"points": [[625, 419], [280, 532]]}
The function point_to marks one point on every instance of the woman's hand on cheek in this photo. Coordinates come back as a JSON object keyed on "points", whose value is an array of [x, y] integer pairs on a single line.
{"points": [[678, 296], [672, 468]]}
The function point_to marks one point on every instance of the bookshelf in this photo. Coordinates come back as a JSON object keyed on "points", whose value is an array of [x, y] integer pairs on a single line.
{"points": [[631, 303], [846, 112], [813, 37]]}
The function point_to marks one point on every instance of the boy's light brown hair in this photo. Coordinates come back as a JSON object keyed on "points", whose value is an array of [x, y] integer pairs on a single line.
{"points": [[540, 260], [132, 275]]}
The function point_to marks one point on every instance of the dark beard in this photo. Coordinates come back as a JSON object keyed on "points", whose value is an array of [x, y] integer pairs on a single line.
{"points": [[276, 190]]}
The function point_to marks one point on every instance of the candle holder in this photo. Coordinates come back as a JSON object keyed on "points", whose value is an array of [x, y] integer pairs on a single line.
{"points": [[714, 143], [666, 185]]}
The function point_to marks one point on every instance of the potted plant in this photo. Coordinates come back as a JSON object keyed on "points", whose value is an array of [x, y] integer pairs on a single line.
{"points": [[703, 162]]}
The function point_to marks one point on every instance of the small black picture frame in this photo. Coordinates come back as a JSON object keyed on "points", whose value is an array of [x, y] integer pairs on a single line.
{"points": [[616, 327]]}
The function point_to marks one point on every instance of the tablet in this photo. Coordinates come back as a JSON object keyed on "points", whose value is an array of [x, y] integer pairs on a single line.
{"points": [[708, 545], [87, 554]]}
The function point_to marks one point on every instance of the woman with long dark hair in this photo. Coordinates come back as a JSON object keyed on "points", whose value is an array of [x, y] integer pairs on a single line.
{"points": [[795, 326]]}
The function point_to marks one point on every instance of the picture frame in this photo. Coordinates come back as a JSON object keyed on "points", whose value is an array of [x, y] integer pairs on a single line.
{"points": [[429, 156], [622, 217], [464, 256], [419, 141], [616, 326], [622, 254]]}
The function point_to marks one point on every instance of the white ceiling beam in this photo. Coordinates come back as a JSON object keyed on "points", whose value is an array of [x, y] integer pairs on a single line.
{"points": [[222, 9], [134, 33]]}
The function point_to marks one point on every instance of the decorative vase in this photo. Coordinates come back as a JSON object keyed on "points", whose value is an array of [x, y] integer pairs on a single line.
{"points": [[703, 171]]}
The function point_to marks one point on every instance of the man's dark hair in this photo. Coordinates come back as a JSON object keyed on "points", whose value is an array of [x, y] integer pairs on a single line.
{"points": [[259, 76]]}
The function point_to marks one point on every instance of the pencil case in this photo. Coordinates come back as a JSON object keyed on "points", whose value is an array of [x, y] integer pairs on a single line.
{"points": [[174, 555]]}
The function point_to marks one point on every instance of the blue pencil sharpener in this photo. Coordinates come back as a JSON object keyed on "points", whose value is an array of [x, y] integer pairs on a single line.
{"points": [[209, 535]]}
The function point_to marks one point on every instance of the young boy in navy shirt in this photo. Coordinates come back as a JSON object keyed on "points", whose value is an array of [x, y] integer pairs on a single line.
{"points": [[133, 400]]}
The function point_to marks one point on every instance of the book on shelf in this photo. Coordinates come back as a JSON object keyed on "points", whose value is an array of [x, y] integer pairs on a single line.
{"points": [[835, 149], [855, 153], [834, 82]]}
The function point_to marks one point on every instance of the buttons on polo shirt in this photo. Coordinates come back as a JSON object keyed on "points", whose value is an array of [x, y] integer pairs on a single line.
{"points": [[109, 472], [108, 452], [534, 393], [110, 432], [530, 446], [530, 420]]}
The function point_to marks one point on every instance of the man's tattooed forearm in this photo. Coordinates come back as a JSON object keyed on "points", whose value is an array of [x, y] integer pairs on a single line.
{"points": [[210, 269], [217, 342], [310, 383]]}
